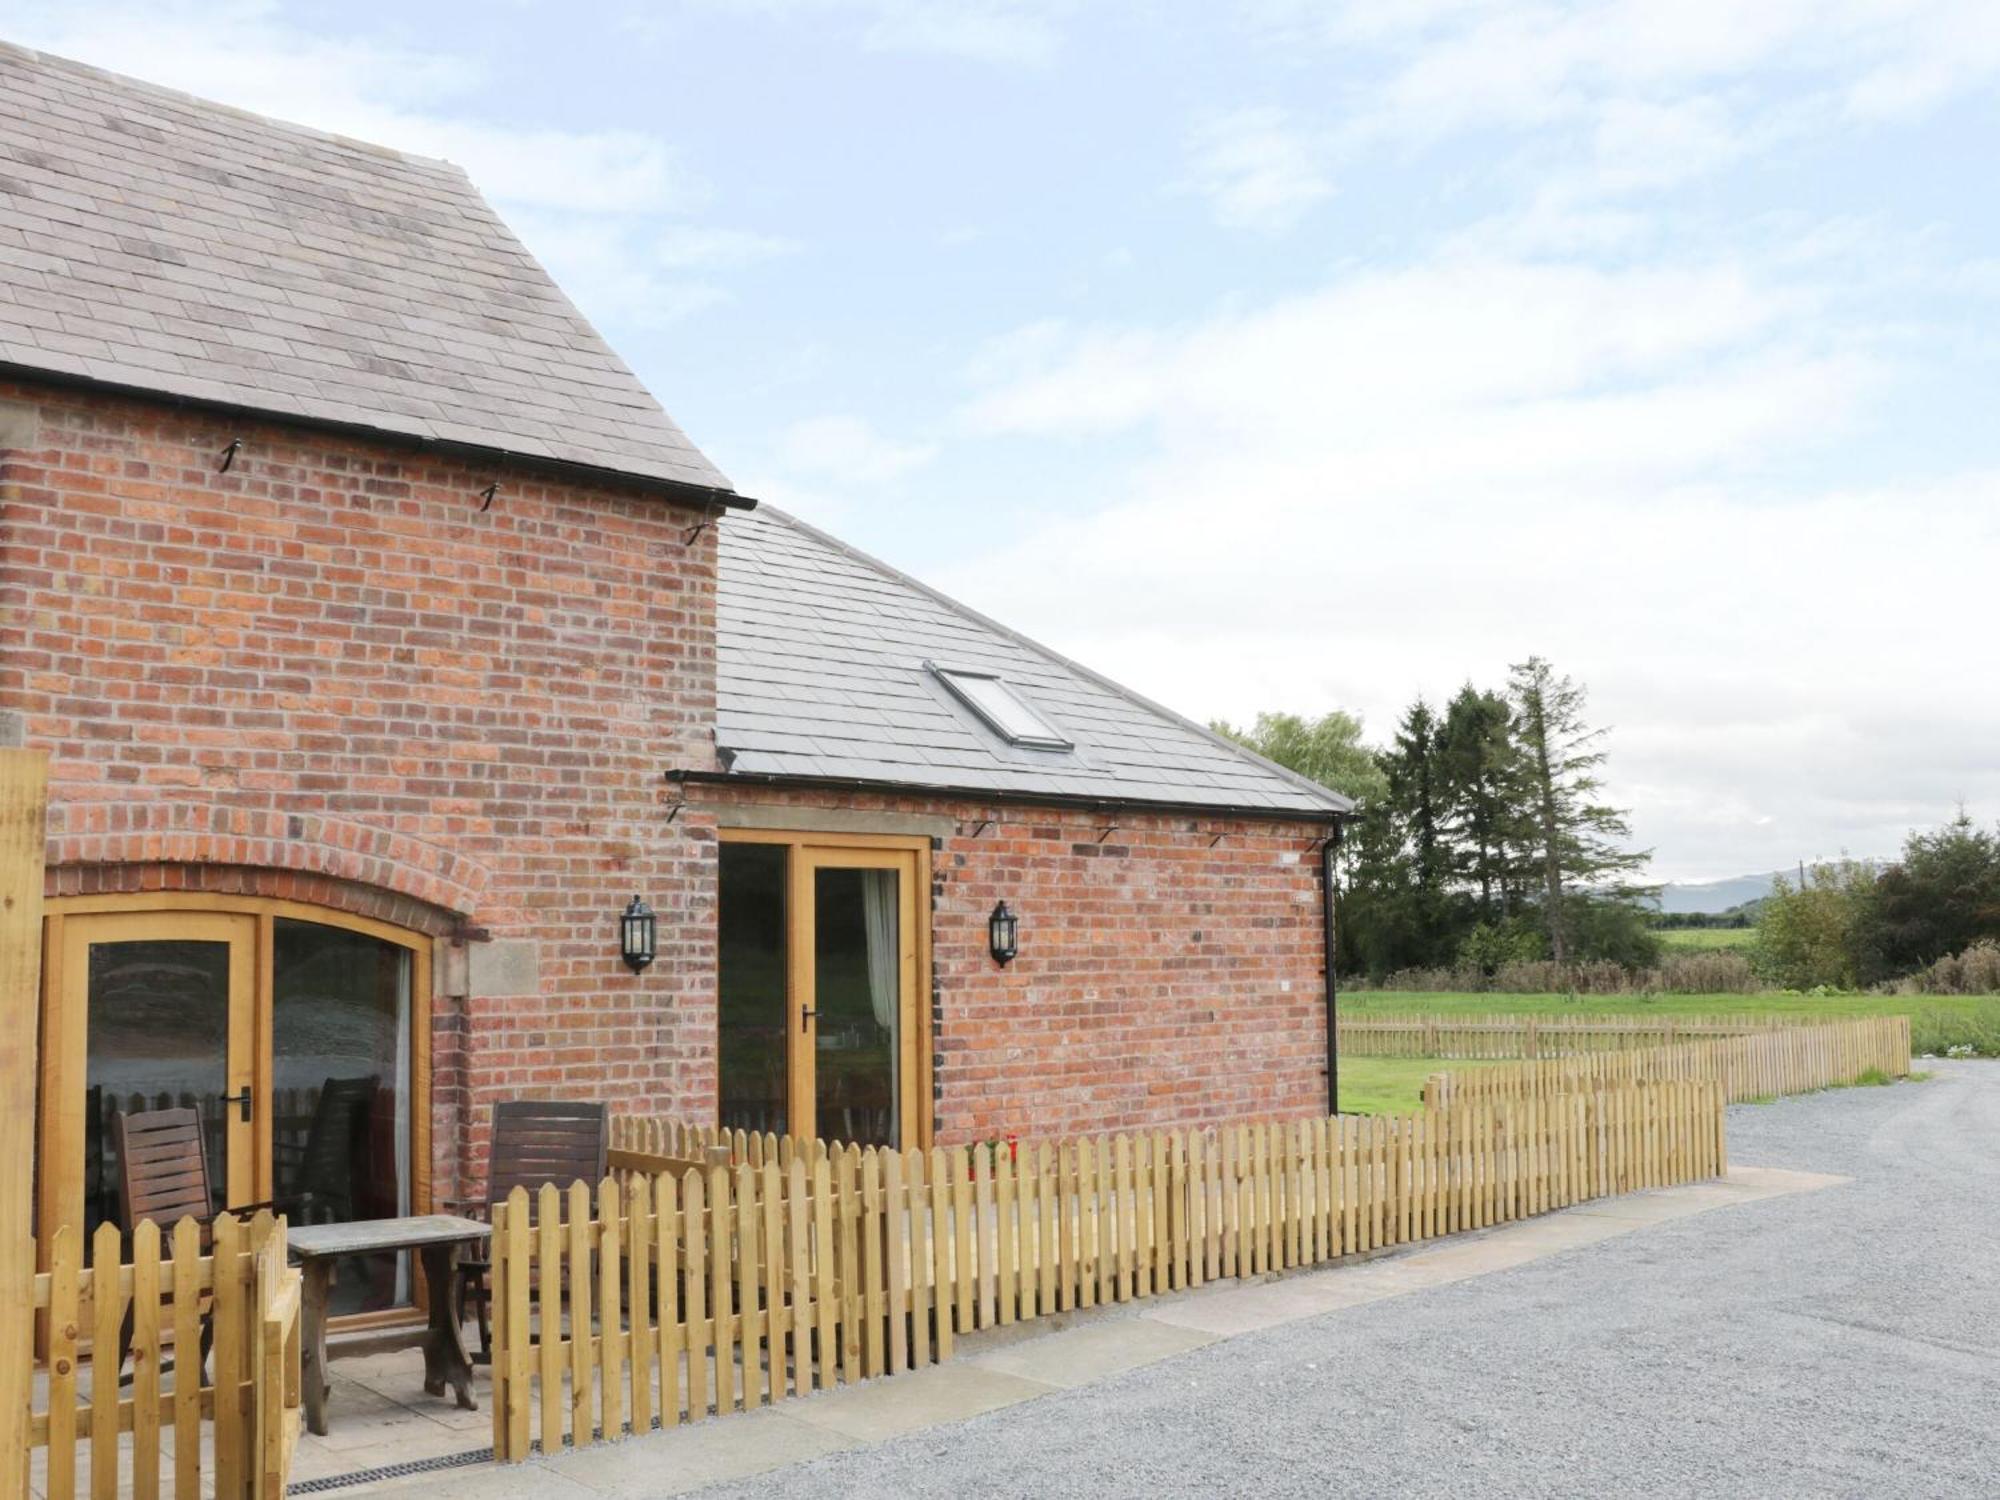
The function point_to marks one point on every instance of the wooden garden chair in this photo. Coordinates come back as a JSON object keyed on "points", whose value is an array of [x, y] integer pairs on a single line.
{"points": [[535, 1141], [163, 1176], [323, 1182]]}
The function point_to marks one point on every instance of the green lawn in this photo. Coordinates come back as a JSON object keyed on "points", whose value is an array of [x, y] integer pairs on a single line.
{"points": [[1390, 1085], [1706, 939], [1937, 1021]]}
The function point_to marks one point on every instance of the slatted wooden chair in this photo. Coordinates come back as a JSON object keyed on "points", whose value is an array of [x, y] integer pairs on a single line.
{"points": [[322, 1182], [534, 1141], [162, 1176]]}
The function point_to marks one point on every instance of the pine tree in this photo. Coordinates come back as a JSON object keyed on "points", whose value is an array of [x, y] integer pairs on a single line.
{"points": [[1415, 802], [1480, 766], [1575, 841]]}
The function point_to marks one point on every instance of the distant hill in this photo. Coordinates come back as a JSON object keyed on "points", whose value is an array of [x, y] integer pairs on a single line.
{"points": [[1714, 896]]}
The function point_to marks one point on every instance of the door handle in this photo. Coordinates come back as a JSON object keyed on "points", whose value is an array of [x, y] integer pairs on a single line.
{"points": [[242, 1103], [806, 1013]]}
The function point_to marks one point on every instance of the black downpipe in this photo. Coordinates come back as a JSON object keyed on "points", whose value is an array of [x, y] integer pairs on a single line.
{"points": [[1332, 985]]}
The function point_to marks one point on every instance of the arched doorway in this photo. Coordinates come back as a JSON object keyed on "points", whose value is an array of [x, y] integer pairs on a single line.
{"points": [[300, 1034]]}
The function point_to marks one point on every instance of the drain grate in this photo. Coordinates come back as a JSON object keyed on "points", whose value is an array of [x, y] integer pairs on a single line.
{"points": [[391, 1471]]}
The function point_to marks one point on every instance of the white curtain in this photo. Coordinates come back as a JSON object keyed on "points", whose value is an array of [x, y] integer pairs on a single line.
{"points": [[878, 909]]}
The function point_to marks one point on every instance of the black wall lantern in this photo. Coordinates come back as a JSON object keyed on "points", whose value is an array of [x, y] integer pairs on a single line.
{"points": [[638, 935], [1003, 934]]}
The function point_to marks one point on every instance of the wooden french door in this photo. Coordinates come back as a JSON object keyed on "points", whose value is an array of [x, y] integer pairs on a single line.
{"points": [[161, 1010], [300, 1034], [822, 955]]}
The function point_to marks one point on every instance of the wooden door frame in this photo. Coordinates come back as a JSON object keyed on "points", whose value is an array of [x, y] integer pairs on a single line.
{"points": [[65, 1046], [65, 1051], [808, 852]]}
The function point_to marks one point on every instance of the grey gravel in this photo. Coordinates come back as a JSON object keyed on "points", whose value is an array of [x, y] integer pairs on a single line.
{"points": [[1839, 1342]]}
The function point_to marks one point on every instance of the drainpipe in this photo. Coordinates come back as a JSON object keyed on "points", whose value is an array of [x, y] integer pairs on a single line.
{"points": [[1332, 986]]}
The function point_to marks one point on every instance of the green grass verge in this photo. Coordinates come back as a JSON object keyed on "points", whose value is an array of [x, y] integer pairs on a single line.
{"points": [[1390, 1085], [1937, 1022], [1705, 939]]}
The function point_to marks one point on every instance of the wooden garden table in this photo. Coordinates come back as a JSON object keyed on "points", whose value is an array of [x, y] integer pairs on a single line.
{"points": [[436, 1238]]}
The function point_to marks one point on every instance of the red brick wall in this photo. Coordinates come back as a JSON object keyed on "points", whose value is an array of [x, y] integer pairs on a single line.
{"points": [[325, 675], [1169, 969], [326, 662]]}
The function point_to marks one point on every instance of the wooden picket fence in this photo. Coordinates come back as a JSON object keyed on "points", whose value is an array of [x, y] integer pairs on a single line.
{"points": [[652, 1299], [226, 1431], [1786, 1060], [1490, 1036]]}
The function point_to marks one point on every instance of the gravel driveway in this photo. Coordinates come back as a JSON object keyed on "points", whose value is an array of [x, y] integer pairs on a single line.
{"points": [[1840, 1342]]}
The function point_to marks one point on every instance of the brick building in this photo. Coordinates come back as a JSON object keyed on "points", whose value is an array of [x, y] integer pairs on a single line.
{"points": [[388, 638]]}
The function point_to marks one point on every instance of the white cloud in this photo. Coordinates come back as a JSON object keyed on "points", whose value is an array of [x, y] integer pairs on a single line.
{"points": [[1256, 168], [694, 247], [1419, 475], [984, 30], [1004, 32], [1638, 94], [845, 450]]}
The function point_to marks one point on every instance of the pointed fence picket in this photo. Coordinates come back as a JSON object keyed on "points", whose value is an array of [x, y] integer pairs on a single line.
{"points": [[662, 1297], [1766, 1064], [1490, 1036], [227, 1430]]}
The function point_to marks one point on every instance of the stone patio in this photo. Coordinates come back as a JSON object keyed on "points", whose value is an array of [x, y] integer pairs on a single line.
{"points": [[378, 1414]]}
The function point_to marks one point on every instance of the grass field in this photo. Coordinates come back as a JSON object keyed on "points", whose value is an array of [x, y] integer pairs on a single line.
{"points": [[1389, 1085], [1705, 939], [1936, 1021]]}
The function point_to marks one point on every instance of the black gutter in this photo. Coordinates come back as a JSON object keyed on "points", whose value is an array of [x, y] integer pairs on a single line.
{"points": [[551, 468], [1072, 800], [1327, 851]]}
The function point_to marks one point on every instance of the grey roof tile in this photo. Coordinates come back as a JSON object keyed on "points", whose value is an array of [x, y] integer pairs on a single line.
{"points": [[820, 656], [351, 283]]}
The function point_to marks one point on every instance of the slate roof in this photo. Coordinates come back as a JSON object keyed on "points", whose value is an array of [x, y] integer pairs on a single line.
{"points": [[155, 241], [821, 673]]}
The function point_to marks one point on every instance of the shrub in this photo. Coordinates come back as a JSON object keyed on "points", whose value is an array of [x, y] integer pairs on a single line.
{"points": [[1679, 974], [1957, 1032], [1972, 971]]}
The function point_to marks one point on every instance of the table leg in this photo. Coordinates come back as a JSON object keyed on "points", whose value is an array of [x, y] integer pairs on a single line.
{"points": [[316, 1280], [445, 1361]]}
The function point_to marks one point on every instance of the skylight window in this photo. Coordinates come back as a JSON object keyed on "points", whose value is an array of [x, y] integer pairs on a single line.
{"points": [[1003, 710]]}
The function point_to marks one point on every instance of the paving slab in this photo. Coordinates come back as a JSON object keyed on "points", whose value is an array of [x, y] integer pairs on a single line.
{"points": [[880, 1409], [687, 1458], [489, 1482], [1078, 1356]]}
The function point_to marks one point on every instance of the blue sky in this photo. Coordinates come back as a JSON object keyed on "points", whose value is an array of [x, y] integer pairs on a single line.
{"points": [[1273, 354]]}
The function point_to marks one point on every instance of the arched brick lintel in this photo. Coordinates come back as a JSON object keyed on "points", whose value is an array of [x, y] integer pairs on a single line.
{"points": [[191, 846]]}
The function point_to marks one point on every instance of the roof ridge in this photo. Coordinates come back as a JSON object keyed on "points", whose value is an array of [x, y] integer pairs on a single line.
{"points": [[1334, 801]]}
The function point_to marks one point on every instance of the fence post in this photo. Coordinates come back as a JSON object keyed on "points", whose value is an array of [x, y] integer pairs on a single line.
{"points": [[23, 806]]}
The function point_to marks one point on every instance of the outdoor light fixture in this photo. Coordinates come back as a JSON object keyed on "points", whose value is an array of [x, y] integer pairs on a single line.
{"points": [[638, 935], [1003, 934]]}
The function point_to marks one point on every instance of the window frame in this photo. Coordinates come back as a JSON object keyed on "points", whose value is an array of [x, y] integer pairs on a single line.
{"points": [[1053, 740]]}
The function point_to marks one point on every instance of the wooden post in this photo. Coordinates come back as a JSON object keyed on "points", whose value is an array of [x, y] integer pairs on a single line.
{"points": [[23, 807]]}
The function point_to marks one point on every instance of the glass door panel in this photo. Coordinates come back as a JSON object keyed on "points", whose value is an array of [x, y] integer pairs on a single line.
{"points": [[340, 1108], [857, 998], [753, 1074], [166, 1000]]}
